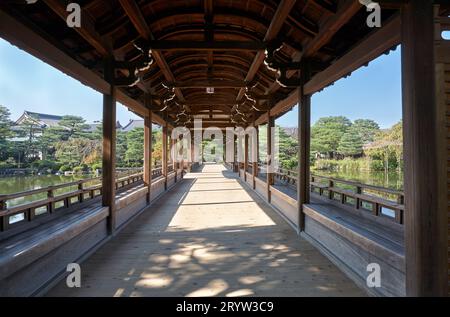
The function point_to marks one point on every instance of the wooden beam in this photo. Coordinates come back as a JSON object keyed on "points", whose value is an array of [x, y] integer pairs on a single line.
{"points": [[135, 15], [346, 10], [28, 40], [169, 45], [425, 157], [109, 147], [164, 152], [208, 83], [148, 151], [245, 156], [269, 175], [375, 44], [275, 26], [33, 43], [304, 137], [87, 29]]}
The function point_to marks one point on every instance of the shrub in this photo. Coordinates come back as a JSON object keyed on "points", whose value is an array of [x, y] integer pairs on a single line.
{"points": [[96, 166], [83, 168], [64, 168], [376, 165]]}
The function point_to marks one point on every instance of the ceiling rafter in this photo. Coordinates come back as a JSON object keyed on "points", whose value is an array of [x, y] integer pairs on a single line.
{"points": [[275, 26], [346, 10], [87, 31], [135, 15]]}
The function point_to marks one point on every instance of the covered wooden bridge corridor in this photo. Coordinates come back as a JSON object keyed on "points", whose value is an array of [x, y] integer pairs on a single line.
{"points": [[209, 236], [242, 227]]}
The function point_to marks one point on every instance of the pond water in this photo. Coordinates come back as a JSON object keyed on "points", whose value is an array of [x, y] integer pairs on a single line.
{"points": [[393, 180], [14, 184]]}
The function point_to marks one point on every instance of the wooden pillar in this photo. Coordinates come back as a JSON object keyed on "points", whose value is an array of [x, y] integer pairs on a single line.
{"points": [[173, 145], [424, 157], [109, 146], [236, 163], [304, 137], [269, 174], [245, 155], [164, 152], [255, 155], [148, 151], [192, 149], [224, 147]]}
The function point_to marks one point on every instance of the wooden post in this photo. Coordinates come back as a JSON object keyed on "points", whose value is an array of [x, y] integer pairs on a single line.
{"points": [[269, 175], [245, 156], [224, 148], [164, 152], [236, 163], [424, 156], [255, 155], [109, 146], [148, 151], [192, 149], [304, 137]]}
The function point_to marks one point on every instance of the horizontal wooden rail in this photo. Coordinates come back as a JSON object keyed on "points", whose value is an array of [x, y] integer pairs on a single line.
{"points": [[381, 201], [57, 197]]}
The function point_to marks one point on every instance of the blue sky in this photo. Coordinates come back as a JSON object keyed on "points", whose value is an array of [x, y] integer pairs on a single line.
{"points": [[26, 83], [372, 92]]}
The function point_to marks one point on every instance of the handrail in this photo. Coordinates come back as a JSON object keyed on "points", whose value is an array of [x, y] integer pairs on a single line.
{"points": [[50, 204], [377, 199]]}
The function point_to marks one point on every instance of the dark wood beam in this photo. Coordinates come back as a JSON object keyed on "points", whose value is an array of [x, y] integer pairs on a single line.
{"points": [[135, 15], [304, 137], [269, 160], [88, 32], [425, 156], [35, 44], [346, 10], [211, 83], [165, 131], [87, 29], [275, 26], [169, 45], [109, 146], [378, 42], [148, 150], [209, 32], [375, 44]]}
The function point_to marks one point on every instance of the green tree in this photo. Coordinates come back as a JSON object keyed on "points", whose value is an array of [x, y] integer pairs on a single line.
{"points": [[134, 154], [70, 127], [29, 149], [121, 148], [351, 143], [326, 134], [288, 150], [366, 129], [386, 151], [77, 151], [5, 132]]}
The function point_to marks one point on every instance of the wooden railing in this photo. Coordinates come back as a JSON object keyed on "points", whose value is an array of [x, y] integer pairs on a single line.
{"points": [[380, 201], [57, 197], [156, 171]]}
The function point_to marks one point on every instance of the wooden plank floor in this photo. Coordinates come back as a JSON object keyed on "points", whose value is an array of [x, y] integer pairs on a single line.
{"points": [[209, 236]]}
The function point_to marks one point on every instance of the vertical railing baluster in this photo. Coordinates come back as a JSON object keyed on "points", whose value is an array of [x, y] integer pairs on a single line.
{"points": [[51, 203], [357, 199], [3, 219]]}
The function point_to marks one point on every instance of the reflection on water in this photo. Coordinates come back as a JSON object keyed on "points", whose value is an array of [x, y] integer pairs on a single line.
{"points": [[393, 180], [14, 184]]}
